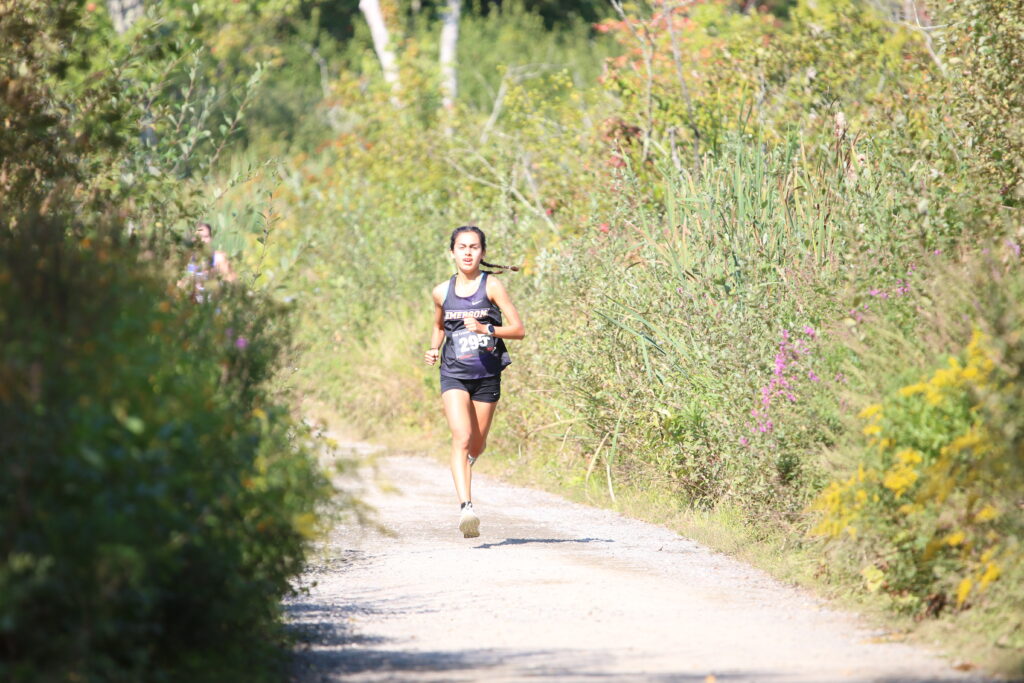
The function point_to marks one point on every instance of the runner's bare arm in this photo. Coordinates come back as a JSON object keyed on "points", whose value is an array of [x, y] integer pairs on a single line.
{"points": [[437, 329], [513, 327]]}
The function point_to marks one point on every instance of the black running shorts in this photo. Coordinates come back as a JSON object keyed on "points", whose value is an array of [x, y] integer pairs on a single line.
{"points": [[484, 390]]}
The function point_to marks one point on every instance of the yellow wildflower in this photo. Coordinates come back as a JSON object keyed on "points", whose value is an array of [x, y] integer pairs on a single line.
{"points": [[963, 590], [871, 430], [954, 539], [912, 389], [870, 411], [971, 439], [986, 514], [899, 479], [908, 456], [992, 573]]}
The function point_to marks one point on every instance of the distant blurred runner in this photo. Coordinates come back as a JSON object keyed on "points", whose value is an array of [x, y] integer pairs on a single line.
{"points": [[204, 264], [468, 310]]}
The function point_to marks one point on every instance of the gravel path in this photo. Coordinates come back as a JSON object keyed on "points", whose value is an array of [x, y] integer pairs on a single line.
{"points": [[552, 589]]}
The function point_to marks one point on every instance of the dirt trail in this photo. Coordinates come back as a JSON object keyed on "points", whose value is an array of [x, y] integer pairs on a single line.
{"points": [[552, 589]]}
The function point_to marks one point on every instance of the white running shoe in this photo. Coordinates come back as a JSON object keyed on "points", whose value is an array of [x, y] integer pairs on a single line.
{"points": [[472, 459], [469, 523]]}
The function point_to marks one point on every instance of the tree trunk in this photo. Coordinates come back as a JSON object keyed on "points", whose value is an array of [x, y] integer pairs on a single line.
{"points": [[124, 13], [381, 40], [449, 44]]}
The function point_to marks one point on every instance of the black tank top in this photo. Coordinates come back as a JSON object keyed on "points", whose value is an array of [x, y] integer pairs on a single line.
{"points": [[468, 355]]}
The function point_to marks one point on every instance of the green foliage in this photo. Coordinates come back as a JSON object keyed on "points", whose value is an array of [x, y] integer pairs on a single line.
{"points": [[156, 496], [157, 503], [931, 514], [986, 56]]}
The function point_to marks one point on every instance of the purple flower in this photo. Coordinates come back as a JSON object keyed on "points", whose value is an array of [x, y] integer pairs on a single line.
{"points": [[875, 292], [785, 335], [1014, 247], [241, 342], [809, 331], [813, 377], [744, 441]]}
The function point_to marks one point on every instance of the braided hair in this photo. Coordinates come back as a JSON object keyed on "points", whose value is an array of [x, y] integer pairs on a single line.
{"points": [[483, 246]]}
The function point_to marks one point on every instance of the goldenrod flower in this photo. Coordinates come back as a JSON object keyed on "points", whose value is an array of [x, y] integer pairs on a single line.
{"points": [[912, 389], [870, 411], [954, 539], [986, 514], [963, 590], [992, 573]]}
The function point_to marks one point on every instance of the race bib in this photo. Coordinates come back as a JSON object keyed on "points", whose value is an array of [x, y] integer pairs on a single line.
{"points": [[470, 343]]}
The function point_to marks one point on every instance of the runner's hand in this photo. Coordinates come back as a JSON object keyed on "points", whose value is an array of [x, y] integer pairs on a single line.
{"points": [[474, 325], [430, 357]]}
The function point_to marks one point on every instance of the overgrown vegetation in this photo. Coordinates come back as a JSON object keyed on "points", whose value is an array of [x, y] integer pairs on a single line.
{"points": [[158, 496]]}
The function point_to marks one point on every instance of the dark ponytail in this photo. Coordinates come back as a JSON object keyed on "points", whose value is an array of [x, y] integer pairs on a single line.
{"points": [[483, 246], [514, 269]]}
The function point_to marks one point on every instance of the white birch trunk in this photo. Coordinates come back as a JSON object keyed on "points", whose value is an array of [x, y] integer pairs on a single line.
{"points": [[449, 45], [124, 13], [381, 40]]}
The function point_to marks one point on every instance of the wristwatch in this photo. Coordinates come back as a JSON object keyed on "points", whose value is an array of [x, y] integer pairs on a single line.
{"points": [[490, 329]]}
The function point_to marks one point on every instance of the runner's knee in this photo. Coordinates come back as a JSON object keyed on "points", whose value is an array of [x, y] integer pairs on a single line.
{"points": [[463, 441], [477, 446]]}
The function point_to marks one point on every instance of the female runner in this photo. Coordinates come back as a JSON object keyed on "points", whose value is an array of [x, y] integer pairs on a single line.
{"points": [[469, 310]]}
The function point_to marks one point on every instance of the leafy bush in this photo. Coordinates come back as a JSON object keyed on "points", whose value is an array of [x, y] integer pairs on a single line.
{"points": [[932, 511], [927, 499], [156, 496], [156, 502]]}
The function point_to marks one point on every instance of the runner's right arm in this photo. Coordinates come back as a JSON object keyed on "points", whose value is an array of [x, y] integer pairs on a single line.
{"points": [[437, 330]]}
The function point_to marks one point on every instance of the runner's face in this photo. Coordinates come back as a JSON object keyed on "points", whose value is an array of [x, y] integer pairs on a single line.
{"points": [[203, 234], [467, 252]]}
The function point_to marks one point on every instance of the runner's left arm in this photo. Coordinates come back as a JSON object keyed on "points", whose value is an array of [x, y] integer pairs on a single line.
{"points": [[512, 327]]}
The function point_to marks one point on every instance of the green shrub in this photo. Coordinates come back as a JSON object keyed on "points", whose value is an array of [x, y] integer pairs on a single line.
{"points": [[156, 497], [930, 514], [156, 502]]}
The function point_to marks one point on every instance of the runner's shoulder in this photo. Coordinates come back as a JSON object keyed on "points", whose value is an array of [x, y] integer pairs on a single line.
{"points": [[439, 292], [494, 285]]}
